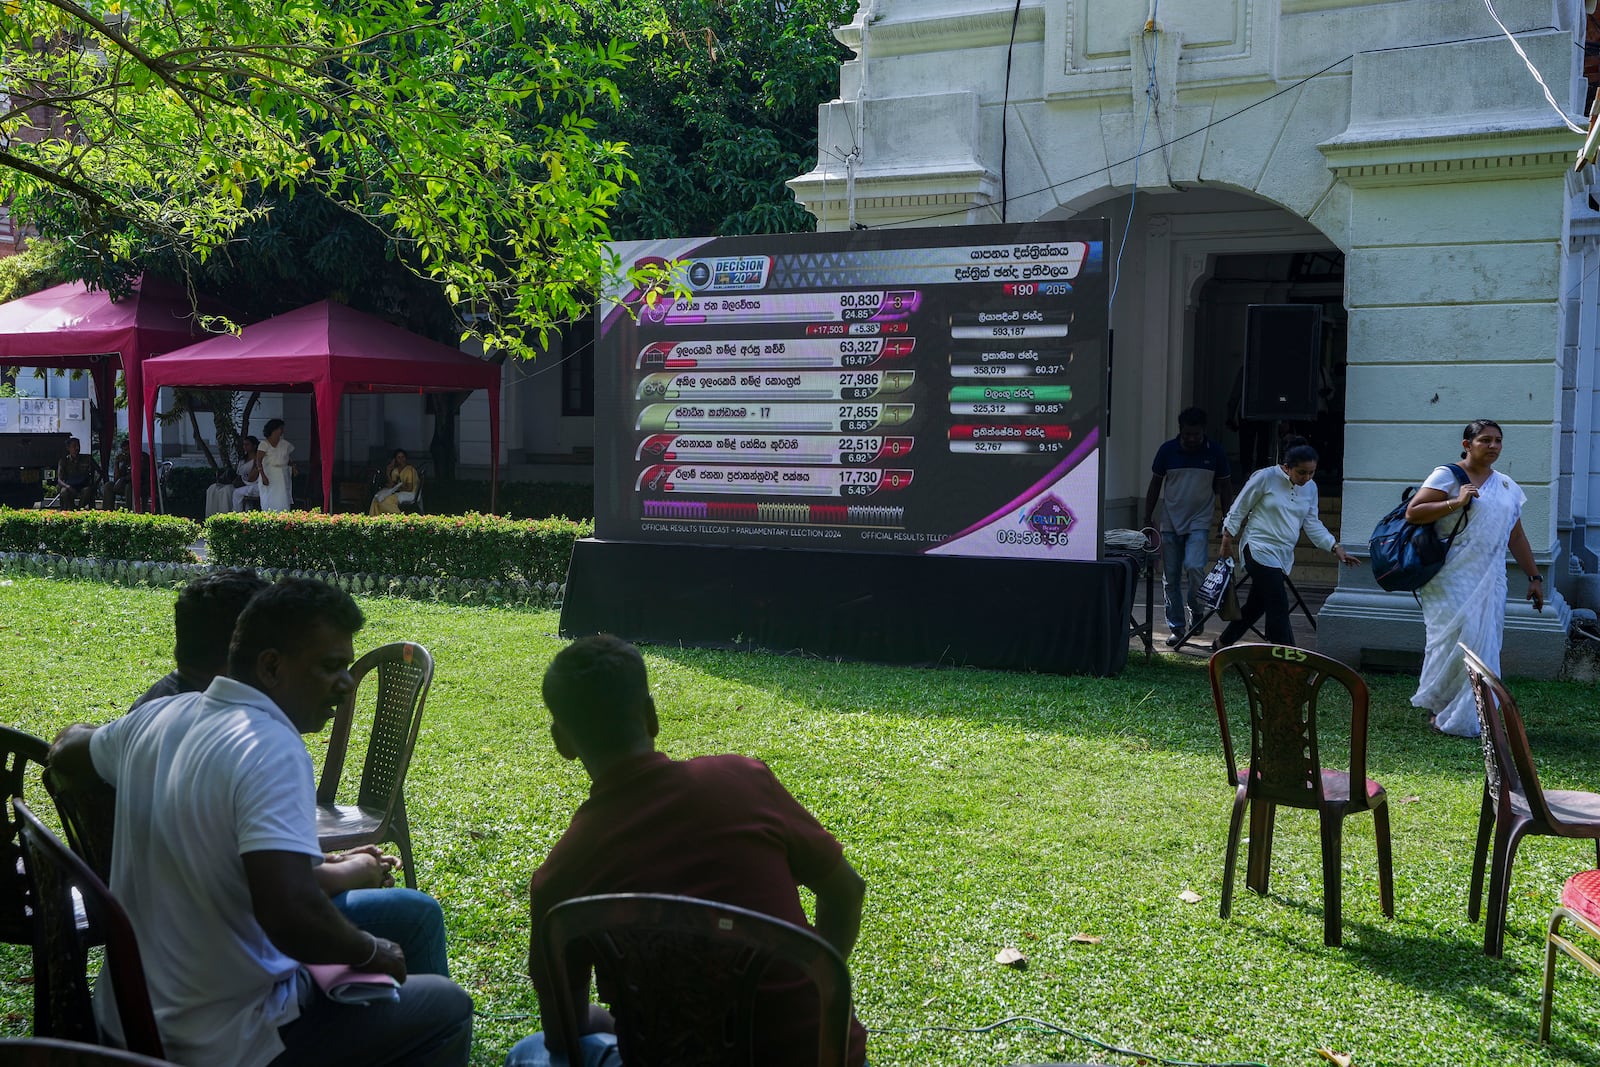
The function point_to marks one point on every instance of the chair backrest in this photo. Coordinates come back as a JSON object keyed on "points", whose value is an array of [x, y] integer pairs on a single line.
{"points": [[51, 1052], [88, 815], [1283, 686], [690, 970], [17, 751], [1507, 757], [61, 945], [405, 671]]}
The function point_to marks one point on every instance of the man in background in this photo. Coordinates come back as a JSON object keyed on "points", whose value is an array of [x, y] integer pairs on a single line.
{"points": [[1189, 471]]}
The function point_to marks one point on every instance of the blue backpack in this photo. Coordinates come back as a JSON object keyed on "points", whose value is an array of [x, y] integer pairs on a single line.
{"points": [[1404, 555]]}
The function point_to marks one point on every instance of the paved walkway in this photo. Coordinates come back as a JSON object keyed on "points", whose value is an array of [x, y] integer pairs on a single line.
{"points": [[1200, 645]]}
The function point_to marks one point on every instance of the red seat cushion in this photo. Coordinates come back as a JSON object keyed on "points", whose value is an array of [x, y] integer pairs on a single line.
{"points": [[1581, 894], [1335, 784]]}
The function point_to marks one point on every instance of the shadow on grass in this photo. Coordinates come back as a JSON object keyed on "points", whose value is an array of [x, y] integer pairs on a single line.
{"points": [[1498, 992], [1166, 704]]}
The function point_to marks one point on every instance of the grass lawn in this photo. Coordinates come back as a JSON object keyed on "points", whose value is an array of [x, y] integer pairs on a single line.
{"points": [[985, 810]]}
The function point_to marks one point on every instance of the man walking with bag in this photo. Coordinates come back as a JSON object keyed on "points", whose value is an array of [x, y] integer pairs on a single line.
{"points": [[1187, 473]]}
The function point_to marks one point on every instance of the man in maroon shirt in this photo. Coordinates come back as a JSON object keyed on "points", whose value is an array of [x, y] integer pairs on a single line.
{"points": [[719, 828]]}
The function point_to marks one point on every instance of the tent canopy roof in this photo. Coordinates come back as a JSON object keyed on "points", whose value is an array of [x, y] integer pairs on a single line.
{"points": [[325, 342], [70, 325]]}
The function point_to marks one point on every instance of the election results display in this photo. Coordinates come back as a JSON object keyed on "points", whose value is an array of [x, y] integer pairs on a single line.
{"points": [[935, 391]]}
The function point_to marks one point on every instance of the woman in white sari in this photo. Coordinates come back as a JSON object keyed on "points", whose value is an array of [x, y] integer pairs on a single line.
{"points": [[274, 469], [1465, 601]]}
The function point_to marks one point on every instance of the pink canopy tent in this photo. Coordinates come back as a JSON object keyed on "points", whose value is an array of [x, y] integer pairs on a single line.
{"points": [[329, 350], [71, 326]]}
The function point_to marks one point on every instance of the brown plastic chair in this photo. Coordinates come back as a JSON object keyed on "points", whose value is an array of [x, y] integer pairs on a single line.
{"points": [[1283, 685], [88, 815], [691, 969], [17, 751], [1580, 905], [61, 946], [1514, 804], [50, 1052], [405, 670]]}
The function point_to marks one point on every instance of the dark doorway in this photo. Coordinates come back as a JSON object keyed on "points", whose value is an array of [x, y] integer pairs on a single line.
{"points": [[1220, 337]]}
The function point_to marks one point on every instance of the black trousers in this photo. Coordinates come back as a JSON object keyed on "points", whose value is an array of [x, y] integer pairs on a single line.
{"points": [[1269, 597]]}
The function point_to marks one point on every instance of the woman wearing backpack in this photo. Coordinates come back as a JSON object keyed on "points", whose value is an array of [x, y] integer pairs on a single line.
{"points": [[1464, 601]]}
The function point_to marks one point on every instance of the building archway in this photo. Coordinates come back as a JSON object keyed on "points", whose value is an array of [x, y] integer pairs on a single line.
{"points": [[1193, 261]]}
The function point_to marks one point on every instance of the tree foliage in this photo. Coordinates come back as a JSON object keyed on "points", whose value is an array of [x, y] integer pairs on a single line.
{"points": [[719, 108], [181, 129]]}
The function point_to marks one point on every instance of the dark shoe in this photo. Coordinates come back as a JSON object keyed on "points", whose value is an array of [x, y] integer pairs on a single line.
{"points": [[1174, 639]]}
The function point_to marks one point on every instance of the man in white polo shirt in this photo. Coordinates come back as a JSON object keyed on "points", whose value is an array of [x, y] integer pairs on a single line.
{"points": [[214, 852]]}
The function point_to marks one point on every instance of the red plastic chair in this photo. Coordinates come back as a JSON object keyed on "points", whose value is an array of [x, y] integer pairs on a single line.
{"points": [[1580, 905], [1283, 685], [1514, 804]]}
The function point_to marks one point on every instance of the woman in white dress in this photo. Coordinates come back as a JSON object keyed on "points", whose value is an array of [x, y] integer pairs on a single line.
{"points": [[274, 469], [1465, 601]]}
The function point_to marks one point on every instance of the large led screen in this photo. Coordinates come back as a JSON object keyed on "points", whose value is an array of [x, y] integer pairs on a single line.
{"points": [[937, 391]]}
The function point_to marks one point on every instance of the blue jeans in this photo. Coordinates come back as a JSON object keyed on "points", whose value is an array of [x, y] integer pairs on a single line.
{"points": [[599, 1050], [410, 919], [1183, 560]]}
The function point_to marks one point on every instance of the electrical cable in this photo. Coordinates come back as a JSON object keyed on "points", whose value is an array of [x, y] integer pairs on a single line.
{"points": [[1005, 105], [1156, 148], [1574, 127], [1133, 197], [1202, 129], [1103, 1046]]}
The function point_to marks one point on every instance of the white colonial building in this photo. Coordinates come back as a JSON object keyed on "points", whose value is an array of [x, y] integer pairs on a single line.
{"points": [[1394, 161]]}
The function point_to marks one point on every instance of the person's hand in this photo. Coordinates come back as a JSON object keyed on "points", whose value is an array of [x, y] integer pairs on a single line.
{"points": [[1464, 497], [388, 860], [390, 959], [264, 479], [357, 870], [1227, 543], [1536, 593], [1344, 557]]}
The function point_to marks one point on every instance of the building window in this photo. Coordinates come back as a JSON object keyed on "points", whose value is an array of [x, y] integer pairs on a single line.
{"points": [[577, 368]]}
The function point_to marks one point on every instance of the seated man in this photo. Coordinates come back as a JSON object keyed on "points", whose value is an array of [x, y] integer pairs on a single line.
{"points": [[204, 617], [247, 484], [215, 853], [78, 476], [720, 828], [121, 476]]}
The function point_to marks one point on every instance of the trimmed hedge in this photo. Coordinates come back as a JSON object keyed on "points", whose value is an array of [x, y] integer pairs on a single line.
{"points": [[476, 547], [176, 575], [527, 500], [98, 534]]}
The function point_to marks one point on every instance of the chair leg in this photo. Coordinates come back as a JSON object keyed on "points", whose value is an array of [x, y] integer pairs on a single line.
{"points": [[1548, 995], [1507, 835], [400, 826], [1332, 879], [1263, 814], [1480, 853], [1230, 861], [1380, 824]]}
